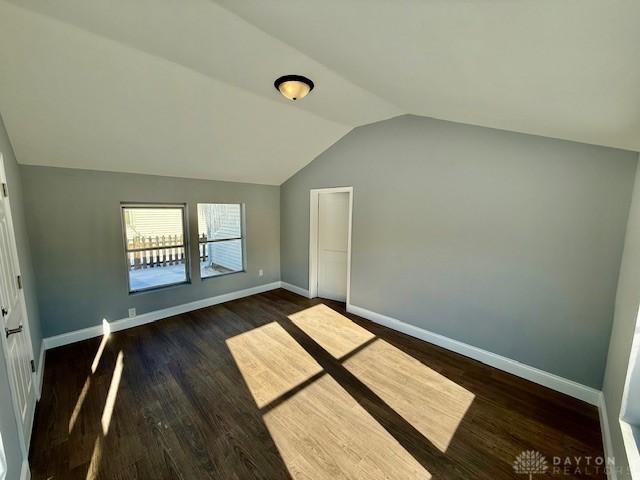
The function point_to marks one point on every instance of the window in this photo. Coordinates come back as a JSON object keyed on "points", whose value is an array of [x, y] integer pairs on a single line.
{"points": [[220, 238], [3, 460], [630, 408], [155, 246]]}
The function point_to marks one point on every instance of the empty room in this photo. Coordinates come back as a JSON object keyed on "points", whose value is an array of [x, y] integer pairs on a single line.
{"points": [[317, 240]]}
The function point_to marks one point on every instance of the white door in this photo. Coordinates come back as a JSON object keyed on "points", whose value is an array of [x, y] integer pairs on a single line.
{"points": [[15, 331], [333, 238]]}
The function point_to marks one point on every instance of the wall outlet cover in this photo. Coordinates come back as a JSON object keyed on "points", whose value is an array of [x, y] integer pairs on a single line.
{"points": [[132, 312]]}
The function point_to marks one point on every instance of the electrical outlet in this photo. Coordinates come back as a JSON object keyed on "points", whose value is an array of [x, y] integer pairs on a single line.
{"points": [[260, 273], [132, 312]]}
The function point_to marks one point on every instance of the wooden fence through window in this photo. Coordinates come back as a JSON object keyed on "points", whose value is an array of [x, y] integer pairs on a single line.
{"points": [[159, 251]]}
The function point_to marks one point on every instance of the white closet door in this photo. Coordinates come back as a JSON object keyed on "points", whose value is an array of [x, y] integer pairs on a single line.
{"points": [[16, 341], [333, 237]]}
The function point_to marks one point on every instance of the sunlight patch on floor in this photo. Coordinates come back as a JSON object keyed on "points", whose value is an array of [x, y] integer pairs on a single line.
{"points": [[106, 331], [322, 432], [429, 401], [79, 402], [271, 362], [107, 413], [332, 331], [96, 456]]}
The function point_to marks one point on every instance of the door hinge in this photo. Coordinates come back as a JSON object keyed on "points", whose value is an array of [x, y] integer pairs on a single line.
{"points": [[33, 366], [5, 190], [19, 278]]}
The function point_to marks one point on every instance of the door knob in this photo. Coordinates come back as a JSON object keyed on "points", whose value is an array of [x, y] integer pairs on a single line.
{"points": [[10, 331]]}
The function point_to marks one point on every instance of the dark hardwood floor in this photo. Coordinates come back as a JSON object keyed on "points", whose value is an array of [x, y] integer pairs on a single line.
{"points": [[276, 386]]}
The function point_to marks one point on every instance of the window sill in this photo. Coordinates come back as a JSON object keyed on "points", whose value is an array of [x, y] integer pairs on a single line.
{"points": [[222, 275], [631, 438], [159, 288]]}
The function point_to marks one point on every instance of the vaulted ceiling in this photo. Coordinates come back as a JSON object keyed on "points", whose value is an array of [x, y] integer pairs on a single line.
{"points": [[185, 87]]}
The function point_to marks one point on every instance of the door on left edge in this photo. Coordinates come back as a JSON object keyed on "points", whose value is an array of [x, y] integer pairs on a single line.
{"points": [[15, 328]]}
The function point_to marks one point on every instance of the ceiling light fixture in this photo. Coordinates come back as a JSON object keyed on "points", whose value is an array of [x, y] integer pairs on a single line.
{"points": [[293, 87]]}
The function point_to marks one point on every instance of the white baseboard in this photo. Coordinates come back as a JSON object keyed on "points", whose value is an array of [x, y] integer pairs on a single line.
{"points": [[555, 382], [40, 371], [25, 472], [295, 289], [606, 435], [96, 331]]}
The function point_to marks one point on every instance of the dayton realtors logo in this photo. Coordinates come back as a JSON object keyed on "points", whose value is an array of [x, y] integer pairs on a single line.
{"points": [[530, 463]]}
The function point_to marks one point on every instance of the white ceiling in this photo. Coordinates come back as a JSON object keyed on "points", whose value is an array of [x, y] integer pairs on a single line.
{"points": [[185, 87]]}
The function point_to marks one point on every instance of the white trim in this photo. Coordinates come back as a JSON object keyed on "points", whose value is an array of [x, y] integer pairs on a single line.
{"points": [[555, 382], [96, 331], [631, 447], [295, 289], [25, 472], [313, 237], [606, 436], [40, 371], [313, 244]]}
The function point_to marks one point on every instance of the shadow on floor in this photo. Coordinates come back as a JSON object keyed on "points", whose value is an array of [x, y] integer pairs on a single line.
{"points": [[257, 388]]}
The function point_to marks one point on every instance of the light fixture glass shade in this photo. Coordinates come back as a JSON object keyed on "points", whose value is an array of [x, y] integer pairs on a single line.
{"points": [[294, 87], [294, 90]]}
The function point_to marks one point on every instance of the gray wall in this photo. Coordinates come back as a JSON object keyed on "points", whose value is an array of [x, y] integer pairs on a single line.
{"points": [[75, 229], [624, 325], [505, 241], [8, 426]]}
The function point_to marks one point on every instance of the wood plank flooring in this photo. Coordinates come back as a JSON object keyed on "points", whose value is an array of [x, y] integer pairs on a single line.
{"points": [[277, 386]]}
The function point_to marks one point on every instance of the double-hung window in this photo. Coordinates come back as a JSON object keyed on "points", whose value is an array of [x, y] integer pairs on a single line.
{"points": [[220, 238], [155, 241]]}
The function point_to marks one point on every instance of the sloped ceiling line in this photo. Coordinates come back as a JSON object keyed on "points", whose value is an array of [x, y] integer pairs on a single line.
{"points": [[185, 87]]}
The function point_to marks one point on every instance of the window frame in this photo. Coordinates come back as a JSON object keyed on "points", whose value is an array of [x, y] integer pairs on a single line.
{"points": [[242, 238], [185, 243], [629, 410]]}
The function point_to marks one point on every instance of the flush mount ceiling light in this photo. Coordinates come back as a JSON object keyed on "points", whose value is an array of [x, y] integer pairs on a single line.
{"points": [[293, 87]]}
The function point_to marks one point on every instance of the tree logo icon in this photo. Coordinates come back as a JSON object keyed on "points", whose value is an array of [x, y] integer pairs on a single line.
{"points": [[529, 463]]}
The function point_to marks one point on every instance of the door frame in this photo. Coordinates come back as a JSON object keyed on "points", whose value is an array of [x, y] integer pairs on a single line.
{"points": [[314, 201], [24, 440]]}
